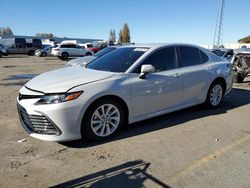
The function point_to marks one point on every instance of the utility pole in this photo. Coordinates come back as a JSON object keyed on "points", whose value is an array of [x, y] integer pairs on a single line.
{"points": [[218, 33]]}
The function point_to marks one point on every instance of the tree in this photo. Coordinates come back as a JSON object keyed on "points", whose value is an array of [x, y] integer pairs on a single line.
{"points": [[6, 31], [245, 40], [125, 34], [120, 39], [47, 35], [112, 36]]}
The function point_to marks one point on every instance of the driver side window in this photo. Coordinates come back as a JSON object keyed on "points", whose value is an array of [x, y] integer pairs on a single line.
{"points": [[163, 59]]}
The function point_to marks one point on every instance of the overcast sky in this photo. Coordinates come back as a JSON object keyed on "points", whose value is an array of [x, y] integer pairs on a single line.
{"points": [[150, 21]]}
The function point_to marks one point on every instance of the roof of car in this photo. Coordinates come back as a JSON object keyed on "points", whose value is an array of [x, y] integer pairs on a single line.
{"points": [[157, 45]]}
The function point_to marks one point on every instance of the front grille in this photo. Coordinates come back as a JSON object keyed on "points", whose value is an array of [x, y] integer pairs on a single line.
{"points": [[37, 123]]}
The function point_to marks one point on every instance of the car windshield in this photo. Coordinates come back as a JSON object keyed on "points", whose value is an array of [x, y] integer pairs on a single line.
{"points": [[104, 51], [118, 60]]}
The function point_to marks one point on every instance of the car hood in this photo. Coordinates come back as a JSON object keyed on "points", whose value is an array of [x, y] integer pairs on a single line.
{"points": [[61, 80], [80, 61]]}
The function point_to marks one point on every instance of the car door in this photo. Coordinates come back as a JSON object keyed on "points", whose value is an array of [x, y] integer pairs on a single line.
{"points": [[159, 90], [195, 70], [79, 51]]}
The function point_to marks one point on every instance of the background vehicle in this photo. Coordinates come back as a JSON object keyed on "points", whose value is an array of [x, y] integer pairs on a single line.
{"points": [[44, 51], [90, 46], [224, 53], [119, 87], [3, 51], [66, 50], [241, 64], [21, 46], [82, 61]]}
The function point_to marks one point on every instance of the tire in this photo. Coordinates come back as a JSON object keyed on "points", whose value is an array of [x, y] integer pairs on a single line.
{"points": [[43, 54], [97, 128], [215, 94], [238, 78], [88, 54], [1, 54], [64, 56], [31, 53]]}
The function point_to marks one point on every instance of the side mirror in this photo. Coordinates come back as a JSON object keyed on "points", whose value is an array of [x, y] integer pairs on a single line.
{"points": [[146, 69]]}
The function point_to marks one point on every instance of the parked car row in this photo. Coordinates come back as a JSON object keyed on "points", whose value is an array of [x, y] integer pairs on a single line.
{"points": [[96, 100]]}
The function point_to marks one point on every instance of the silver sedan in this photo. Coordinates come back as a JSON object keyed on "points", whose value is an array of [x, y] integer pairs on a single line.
{"points": [[127, 85]]}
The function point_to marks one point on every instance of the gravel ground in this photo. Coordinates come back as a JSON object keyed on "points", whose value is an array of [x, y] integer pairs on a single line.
{"points": [[195, 147]]}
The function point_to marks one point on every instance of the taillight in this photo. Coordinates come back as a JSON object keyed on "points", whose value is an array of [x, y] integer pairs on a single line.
{"points": [[56, 49]]}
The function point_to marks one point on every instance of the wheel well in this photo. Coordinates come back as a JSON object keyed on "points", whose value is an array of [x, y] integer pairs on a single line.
{"points": [[113, 97], [65, 53], [223, 82]]}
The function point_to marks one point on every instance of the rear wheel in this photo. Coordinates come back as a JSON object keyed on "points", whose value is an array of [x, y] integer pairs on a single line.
{"points": [[31, 53], [43, 54], [1, 54], [215, 94], [65, 56], [237, 78], [88, 54], [103, 120]]}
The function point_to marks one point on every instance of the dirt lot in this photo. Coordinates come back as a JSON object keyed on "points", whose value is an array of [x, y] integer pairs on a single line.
{"points": [[195, 147]]}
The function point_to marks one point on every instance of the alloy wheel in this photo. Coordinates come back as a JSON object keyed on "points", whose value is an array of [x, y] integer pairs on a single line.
{"points": [[105, 120], [216, 94]]}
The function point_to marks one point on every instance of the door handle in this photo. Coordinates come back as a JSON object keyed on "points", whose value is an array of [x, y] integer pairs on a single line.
{"points": [[176, 75], [209, 68]]}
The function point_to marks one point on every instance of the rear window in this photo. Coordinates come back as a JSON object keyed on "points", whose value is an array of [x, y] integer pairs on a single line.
{"points": [[190, 56], [204, 57], [118, 60], [68, 46]]}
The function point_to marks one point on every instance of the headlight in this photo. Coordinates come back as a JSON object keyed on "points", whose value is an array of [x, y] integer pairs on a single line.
{"points": [[58, 98]]}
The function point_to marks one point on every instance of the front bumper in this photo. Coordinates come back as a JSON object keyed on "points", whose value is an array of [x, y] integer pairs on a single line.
{"points": [[5, 53], [51, 122]]}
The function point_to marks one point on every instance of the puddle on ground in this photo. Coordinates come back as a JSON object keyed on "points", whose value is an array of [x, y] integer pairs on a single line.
{"points": [[21, 77]]}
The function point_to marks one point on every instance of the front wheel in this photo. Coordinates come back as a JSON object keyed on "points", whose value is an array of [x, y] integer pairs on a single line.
{"points": [[103, 120], [215, 94], [65, 56], [88, 54], [43, 54]]}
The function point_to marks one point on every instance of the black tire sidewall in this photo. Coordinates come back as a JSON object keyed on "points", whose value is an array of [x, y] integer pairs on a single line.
{"points": [[65, 55], [87, 131], [31, 53], [88, 54], [237, 78], [1, 54]]}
